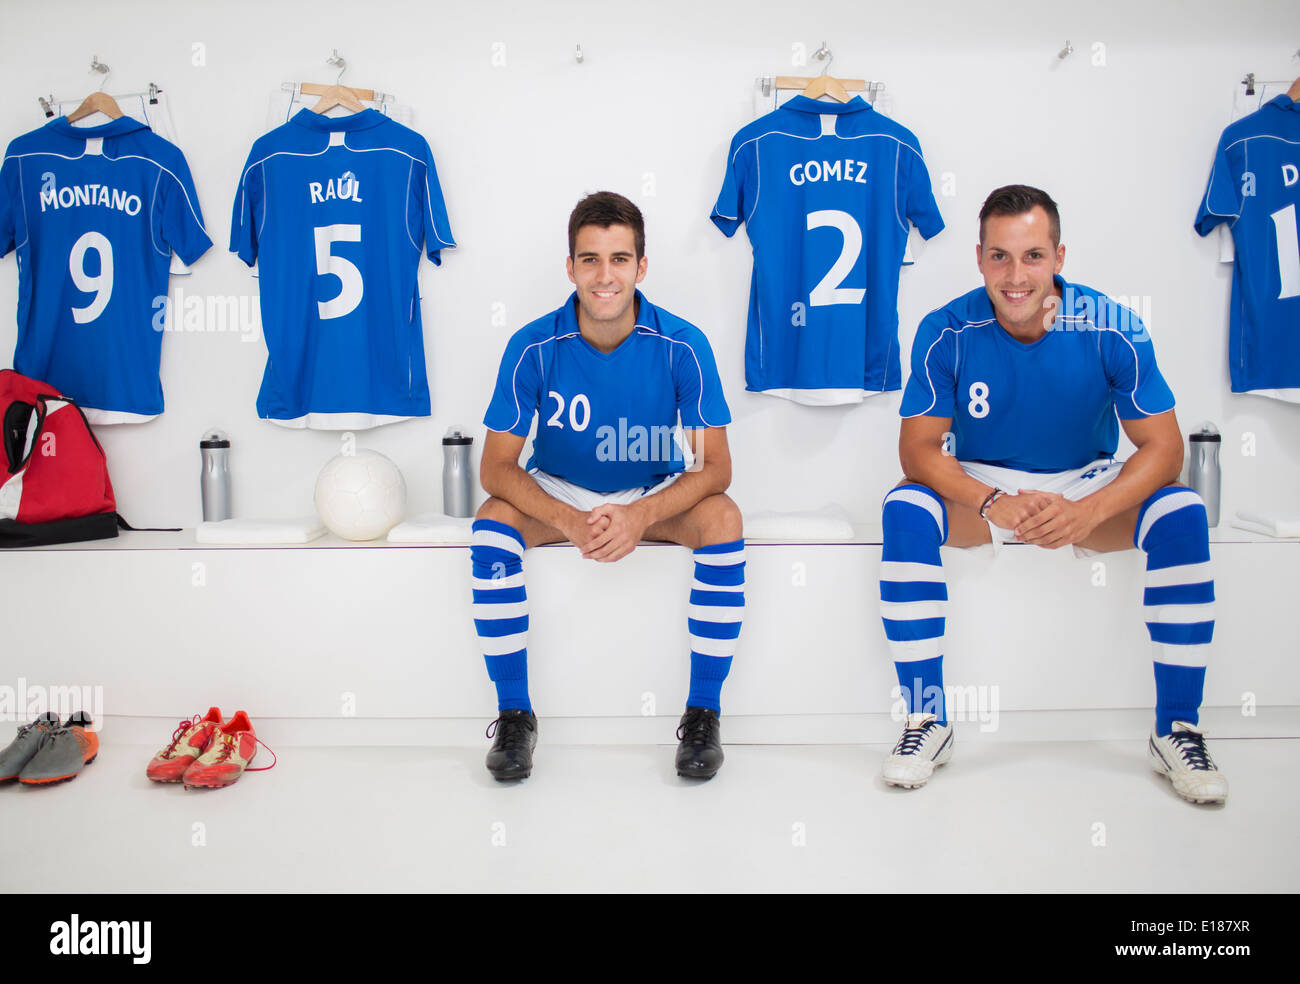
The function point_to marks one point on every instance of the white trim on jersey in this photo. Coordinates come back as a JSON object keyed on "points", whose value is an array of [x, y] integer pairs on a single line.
{"points": [[934, 394], [337, 421], [823, 397], [95, 416]]}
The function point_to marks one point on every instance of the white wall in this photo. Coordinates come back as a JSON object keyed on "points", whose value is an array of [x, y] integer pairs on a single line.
{"points": [[1124, 147]]}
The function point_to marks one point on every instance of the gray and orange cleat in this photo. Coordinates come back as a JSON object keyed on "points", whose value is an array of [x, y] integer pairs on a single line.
{"points": [[227, 757], [64, 753], [190, 740], [24, 747]]}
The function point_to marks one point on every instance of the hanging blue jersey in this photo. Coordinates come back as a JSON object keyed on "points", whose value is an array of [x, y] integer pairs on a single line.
{"points": [[839, 185], [607, 418], [1255, 185], [334, 211], [1046, 406], [95, 214]]}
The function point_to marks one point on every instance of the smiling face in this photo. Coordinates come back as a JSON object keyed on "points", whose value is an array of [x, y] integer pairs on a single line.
{"points": [[1018, 260], [605, 269]]}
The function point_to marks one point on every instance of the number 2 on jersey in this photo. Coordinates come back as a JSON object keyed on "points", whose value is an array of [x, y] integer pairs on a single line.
{"points": [[828, 291]]}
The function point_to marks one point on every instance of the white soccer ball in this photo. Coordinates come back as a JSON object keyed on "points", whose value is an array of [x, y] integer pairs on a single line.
{"points": [[360, 496]]}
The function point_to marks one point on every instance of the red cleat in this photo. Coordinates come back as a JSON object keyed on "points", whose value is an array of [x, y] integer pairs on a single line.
{"points": [[190, 740]]}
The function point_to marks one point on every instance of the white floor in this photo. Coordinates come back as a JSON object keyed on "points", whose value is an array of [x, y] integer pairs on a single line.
{"points": [[1003, 816]]}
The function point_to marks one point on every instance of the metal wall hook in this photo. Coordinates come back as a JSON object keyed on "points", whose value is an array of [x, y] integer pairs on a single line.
{"points": [[340, 62], [824, 52], [577, 53], [1066, 51], [97, 66]]}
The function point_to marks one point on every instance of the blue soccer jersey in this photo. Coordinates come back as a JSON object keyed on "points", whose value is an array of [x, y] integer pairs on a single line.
{"points": [[839, 186], [334, 211], [1255, 185], [1046, 406], [95, 214], [607, 418]]}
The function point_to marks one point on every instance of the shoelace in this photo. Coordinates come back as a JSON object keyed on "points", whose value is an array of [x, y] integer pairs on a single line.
{"points": [[178, 734], [516, 733], [912, 738], [228, 748], [1191, 747], [694, 728]]}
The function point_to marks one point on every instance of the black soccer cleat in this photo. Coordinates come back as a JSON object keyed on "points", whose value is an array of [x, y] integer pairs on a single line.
{"points": [[511, 755], [699, 753]]}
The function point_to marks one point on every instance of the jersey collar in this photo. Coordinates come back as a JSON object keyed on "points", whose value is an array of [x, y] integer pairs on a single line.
{"points": [[567, 320], [113, 128], [332, 124], [802, 104], [1285, 102]]}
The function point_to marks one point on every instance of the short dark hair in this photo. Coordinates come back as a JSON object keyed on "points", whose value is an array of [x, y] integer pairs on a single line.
{"points": [[604, 209], [1017, 200]]}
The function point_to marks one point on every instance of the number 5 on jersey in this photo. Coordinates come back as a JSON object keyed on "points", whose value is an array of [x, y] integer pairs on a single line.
{"points": [[352, 286]]}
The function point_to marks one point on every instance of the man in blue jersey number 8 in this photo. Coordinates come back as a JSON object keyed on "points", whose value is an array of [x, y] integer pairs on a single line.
{"points": [[607, 375], [1008, 434]]}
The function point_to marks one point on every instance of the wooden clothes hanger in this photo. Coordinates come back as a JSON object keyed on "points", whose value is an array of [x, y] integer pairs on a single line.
{"points": [[337, 95], [825, 85], [98, 101]]}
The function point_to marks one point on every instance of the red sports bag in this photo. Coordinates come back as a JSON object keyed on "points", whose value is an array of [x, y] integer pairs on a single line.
{"points": [[54, 485]]}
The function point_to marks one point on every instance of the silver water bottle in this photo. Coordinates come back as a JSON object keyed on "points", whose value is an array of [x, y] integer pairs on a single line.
{"points": [[214, 481], [457, 487], [1203, 469]]}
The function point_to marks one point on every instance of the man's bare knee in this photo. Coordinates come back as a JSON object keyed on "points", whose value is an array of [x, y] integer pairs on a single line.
{"points": [[500, 511], [718, 520]]}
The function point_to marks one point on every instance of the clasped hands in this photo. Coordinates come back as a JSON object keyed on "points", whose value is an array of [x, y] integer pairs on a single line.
{"points": [[1045, 519], [607, 533]]}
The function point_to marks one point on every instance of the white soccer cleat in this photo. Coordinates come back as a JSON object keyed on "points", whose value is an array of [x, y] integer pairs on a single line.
{"points": [[925, 744], [1182, 756]]}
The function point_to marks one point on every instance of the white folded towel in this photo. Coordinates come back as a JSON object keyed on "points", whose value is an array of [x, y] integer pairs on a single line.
{"points": [[301, 530], [1270, 524], [830, 522], [432, 528]]}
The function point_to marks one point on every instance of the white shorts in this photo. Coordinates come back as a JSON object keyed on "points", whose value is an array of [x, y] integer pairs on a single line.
{"points": [[587, 500], [1073, 484]]}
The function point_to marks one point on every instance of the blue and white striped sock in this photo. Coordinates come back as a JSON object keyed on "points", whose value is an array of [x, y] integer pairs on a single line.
{"points": [[1178, 601], [914, 594], [501, 609], [717, 607]]}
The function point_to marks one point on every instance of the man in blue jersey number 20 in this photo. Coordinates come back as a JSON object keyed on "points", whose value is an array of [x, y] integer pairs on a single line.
{"points": [[1008, 434], [607, 375]]}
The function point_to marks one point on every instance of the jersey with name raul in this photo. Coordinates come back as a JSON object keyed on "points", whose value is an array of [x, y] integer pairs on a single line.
{"points": [[95, 214], [335, 213], [606, 420], [827, 192]]}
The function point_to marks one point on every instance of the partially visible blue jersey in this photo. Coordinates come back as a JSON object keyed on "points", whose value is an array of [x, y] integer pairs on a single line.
{"points": [[1046, 406], [95, 214], [826, 192], [335, 212], [607, 418], [1255, 185]]}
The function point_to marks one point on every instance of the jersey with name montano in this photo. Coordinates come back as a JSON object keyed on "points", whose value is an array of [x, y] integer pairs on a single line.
{"points": [[827, 192], [95, 214], [606, 419], [1255, 185], [334, 212], [1046, 406]]}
